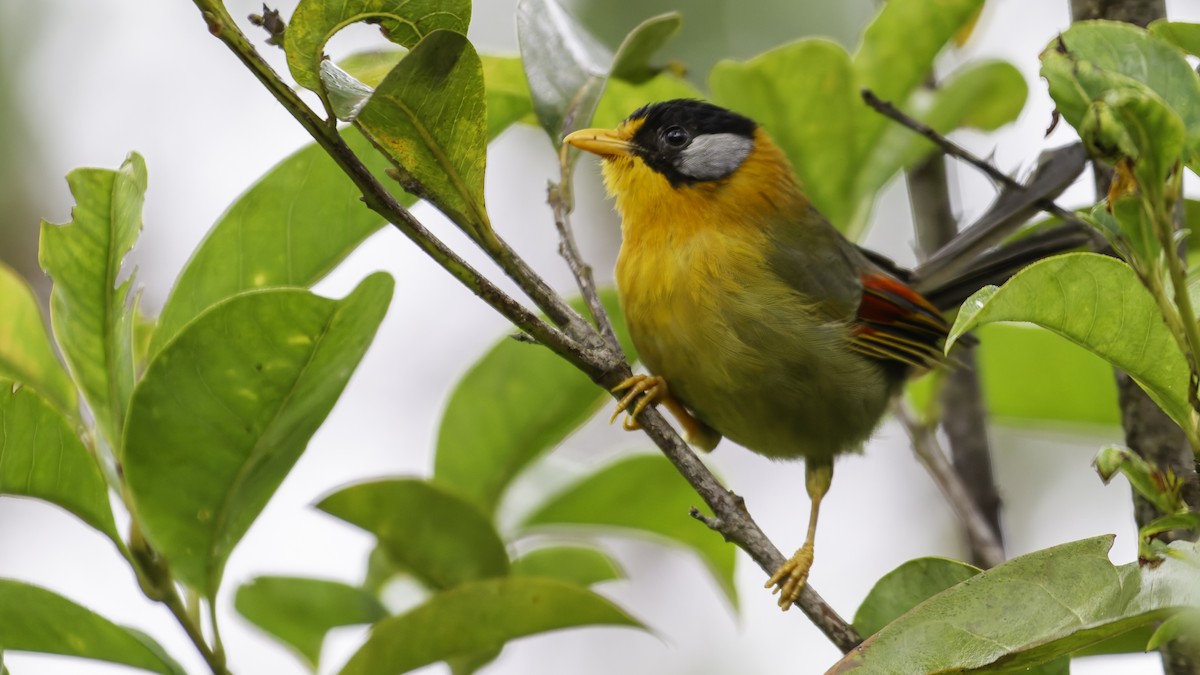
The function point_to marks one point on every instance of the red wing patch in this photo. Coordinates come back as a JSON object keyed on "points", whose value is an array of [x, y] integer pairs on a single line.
{"points": [[896, 324]]}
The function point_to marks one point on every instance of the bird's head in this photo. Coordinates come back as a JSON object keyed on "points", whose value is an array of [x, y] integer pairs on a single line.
{"points": [[688, 153]]}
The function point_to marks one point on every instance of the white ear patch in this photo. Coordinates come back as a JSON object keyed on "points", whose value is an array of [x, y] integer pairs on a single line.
{"points": [[713, 156]]}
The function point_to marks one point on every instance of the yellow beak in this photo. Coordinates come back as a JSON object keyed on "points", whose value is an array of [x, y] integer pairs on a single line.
{"points": [[603, 142]]}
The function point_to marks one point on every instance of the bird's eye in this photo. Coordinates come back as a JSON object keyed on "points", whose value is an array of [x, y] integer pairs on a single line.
{"points": [[676, 137]]}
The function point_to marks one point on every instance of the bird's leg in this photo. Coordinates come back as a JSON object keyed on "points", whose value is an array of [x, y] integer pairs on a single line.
{"points": [[791, 576], [655, 391]]}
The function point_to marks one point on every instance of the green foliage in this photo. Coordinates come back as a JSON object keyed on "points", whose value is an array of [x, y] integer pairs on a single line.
{"points": [[511, 407], [92, 314], [275, 361], [477, 617], [1097, 303], [1067, 597], [43, 458], [574, 564], [429, 116], [640, 494], [34, 619], [208, 408], [404, 22], [425, 530], [300, 611], [295, 202], [568, 69], [906, 587], [842, 151], [26, 355]]}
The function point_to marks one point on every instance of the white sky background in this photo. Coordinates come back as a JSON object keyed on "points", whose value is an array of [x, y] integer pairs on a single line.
{"points": [[110, 76]]}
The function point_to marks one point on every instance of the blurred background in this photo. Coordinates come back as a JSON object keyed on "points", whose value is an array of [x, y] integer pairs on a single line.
{"points": [[84, 83]]}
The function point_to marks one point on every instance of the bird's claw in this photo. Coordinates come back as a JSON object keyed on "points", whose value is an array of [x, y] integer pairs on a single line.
{"points": [[651, 388], [789, 580]]}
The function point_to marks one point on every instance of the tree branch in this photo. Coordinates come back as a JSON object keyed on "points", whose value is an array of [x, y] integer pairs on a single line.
{"points": [[963, 413], [955, 150], [927, 450], [595, 358]]}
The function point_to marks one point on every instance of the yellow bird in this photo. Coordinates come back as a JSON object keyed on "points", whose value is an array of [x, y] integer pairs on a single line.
{"points": [[756, 318]]}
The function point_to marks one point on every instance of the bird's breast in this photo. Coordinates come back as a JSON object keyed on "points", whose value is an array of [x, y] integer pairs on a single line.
{"points": [[748, 354]]}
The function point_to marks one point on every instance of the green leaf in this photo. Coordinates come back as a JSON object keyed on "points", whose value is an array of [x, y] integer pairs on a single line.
{"points": [[278, 233], [579, 565], [300, 611], [1098, 303], [90, 311], [477, 617], [507, 91], [227, 407], [1185, 36], [644, 494], [898, 49], [43, 458], [817, 130], [33, 619], [26, 355], [404, 22], [906, 587], [1073, 385], [425, 529], [632, 60], [568, 69], [1093, 58], [511, 407], [1028, 611], [429, 116]]}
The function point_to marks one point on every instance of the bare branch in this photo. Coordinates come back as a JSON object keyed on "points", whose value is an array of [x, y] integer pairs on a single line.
{"points": [[928, 451], [955, 150]]}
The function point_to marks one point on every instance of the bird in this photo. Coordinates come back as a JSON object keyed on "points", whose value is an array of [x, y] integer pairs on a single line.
{"points": [[757, 320]]}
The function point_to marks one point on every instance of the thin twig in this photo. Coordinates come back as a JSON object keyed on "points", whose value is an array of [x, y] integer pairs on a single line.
{"points": [[561, 199], [602, 364], [928, 451], [964, 417], [953, 149]]}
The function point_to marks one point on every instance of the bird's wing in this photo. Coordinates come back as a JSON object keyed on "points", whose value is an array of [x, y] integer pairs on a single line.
{"points": [[895, 323]]}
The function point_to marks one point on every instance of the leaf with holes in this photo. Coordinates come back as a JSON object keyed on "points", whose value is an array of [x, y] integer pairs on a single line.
{"points": [[91, 312], [300, 611], [227, 407], [404, 22], [429, 116], [33, 619], [1098, 303], [26, 355]]}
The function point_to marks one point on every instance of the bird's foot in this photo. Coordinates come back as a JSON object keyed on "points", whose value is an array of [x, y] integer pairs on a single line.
{"points": [[790, 578], [651, 388]]}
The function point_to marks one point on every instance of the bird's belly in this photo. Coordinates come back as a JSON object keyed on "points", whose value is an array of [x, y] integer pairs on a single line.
{"points": [[752, 361]]}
